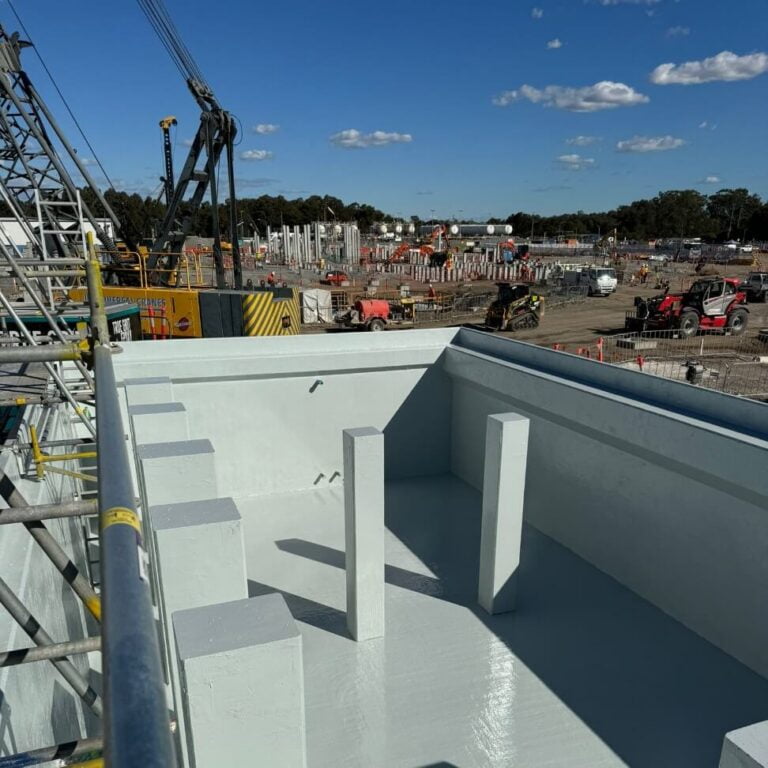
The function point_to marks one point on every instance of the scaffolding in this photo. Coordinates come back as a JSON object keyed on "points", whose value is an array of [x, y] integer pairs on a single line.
{"points": [[133, 706]]}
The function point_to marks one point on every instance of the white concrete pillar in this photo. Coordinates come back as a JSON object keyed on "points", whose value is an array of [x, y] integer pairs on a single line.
{"points": [[746, 747], [364, 531], [243, 684], [177, 471], [199, 559], [506, 451], [158, 422], [152, 389], [153, 423]]}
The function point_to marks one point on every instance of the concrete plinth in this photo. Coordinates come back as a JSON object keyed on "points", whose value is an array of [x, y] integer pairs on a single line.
{"points": [[199, 559], [177, 471], [746, 747], [364, 531], [158, 422], [151, 389], [506, 451], [242, 679]]}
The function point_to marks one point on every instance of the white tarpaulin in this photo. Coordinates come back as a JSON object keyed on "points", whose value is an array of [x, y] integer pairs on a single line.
{"points": [[316, 306]]}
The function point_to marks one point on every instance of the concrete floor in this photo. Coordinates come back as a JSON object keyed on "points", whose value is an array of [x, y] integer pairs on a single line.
{"points": [[584, 674]]}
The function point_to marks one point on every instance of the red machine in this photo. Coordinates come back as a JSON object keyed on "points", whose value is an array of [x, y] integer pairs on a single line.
{"points": [[369, 314], [709, 303]]}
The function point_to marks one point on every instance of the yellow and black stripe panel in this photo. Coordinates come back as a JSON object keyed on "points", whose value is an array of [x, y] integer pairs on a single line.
{"points": [[265, 314]]}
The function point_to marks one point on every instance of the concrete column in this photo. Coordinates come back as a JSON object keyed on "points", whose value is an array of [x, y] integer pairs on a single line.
{"points": [[177, 471], [199, 559], [746, 747], [243, 684], [506, 451], [158, 422], [153, 389], [364, 531], [153, 423]]}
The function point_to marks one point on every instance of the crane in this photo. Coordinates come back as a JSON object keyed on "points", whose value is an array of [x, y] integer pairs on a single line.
{"points": [[168, 181], [34, 180], [215, 136]]}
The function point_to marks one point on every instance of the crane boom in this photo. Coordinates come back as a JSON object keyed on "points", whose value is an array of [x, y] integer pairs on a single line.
{"points": [[215, 135], [168, 181], [32, 171]]}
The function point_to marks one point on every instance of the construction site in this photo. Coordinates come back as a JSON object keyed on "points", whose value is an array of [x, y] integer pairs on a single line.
{"points": [[402, 496]]}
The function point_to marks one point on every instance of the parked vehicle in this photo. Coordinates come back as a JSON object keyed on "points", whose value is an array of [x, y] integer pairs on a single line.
{"points": [[336, 277], [709, 303], [599, 281], [755, 285]]}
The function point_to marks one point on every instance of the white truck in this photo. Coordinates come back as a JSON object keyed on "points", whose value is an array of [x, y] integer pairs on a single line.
{"points": [[599, 281]]}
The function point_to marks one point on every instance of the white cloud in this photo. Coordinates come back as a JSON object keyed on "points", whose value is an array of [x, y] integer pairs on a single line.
{"points": [[575, 162], [710, 180], [537, 13], [678, 31], [86, 161], [555, 44], [649, 144], [582, 141], [354, 139], [726, 66], [266, 128], [256, 154], [591, 98], [188, 142], [703, 124]]}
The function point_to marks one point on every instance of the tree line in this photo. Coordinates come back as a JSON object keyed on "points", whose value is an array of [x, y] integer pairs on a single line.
{"points": [[730, 214], [725, 215]]}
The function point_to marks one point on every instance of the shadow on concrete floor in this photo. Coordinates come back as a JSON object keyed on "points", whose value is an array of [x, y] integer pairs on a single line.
{"points": [[657, 694], [310, 612]]}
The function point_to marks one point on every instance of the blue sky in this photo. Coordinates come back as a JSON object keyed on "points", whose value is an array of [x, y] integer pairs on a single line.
{"points": [[435, 91]]}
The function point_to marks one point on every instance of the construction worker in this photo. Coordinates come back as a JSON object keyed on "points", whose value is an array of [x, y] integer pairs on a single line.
{"points": [[431, 292], [271, 280]]}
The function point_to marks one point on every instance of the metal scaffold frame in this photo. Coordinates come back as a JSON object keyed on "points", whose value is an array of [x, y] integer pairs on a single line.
{"points": [[133, 708]]}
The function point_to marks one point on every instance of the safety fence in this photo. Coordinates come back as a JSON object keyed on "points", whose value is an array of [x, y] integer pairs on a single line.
{"points": [[736, 365]]}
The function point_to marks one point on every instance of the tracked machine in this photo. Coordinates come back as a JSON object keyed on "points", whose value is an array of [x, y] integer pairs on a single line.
{"points": [[514, 309]]}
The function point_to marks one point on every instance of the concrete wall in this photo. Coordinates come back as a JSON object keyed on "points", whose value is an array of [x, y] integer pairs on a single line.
{"points": [[275, 411], [657, 483], [671, 506], [37, 707]]}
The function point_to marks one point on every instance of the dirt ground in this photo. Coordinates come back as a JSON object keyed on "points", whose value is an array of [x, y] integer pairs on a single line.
{"points": [[585, 322], [574, 324]]}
